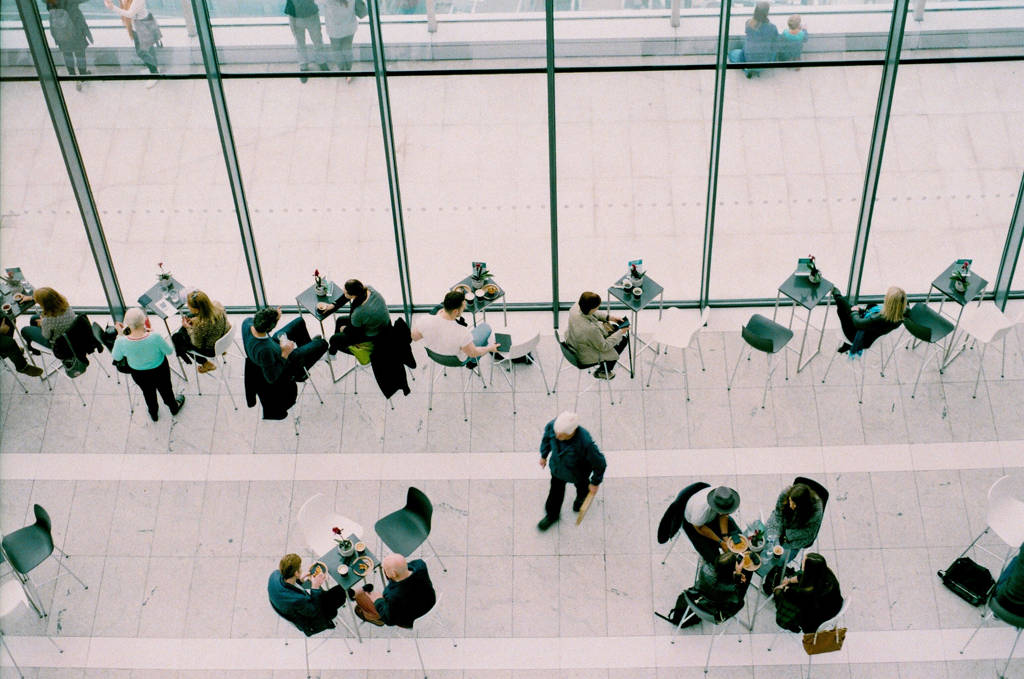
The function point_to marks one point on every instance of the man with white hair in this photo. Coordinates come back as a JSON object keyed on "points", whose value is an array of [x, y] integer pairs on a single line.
{"points": [[575, 459], [408, 595]]}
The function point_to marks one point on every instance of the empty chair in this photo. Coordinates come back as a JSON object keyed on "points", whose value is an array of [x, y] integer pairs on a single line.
{"points": [[767, 336], [317, 520], [674, 331], [523, 350], [12, 598], [452, 362], [1005, 514], [219, 359], [568, 355], [987, 325], [927, 325], [404, 530], [28, 547]]}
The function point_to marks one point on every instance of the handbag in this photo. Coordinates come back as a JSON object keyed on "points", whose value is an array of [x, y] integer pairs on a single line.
{"points": [[361, 9], [827, 641]]}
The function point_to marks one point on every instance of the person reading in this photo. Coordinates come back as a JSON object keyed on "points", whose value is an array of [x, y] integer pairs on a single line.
{"points": [[298, 596]]}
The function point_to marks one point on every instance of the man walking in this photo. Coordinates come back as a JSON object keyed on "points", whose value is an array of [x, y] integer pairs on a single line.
{"points": [[574, 458]]}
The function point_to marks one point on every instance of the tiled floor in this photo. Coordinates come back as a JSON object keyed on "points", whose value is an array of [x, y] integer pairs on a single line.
{"points": [[176, 525]]}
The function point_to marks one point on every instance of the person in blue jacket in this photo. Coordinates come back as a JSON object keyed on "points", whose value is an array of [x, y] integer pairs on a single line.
{"points": [[298, 596], [574, 458], [761, 40]]}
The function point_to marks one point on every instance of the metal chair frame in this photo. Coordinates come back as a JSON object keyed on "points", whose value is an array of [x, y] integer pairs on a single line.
{"points": [[985, 618], [219, 358], [768, 386], [693, 610], [694, 336], [521, 350], [14, 374], [447, 361], [568, 355]]}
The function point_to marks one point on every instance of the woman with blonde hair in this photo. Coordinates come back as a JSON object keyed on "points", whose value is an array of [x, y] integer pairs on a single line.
{"points": [[146, 354], [54, 319], [862, 327], [206, 324]]}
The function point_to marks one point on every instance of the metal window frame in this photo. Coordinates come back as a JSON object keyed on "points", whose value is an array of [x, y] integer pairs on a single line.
{"points": [[1011, 252]]}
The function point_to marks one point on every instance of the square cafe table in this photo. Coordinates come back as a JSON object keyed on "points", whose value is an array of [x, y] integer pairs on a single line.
{"points": [[14, 285], [307, 301], [481, 303], [807, 295], [155, 295], [651, 290], [332, 559], [975, 287]]}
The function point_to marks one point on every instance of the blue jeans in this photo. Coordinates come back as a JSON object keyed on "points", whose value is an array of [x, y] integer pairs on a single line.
{"points": [[307, 351], [480, 334]]}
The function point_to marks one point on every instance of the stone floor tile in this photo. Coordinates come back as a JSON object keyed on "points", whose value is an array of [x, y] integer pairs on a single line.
{"points": [[535, 603], [92, 512], [665, 419], [581, 611], [489, 596], [118, 607], [222, 520], [898, 510], [168, 582], [134, 519], [491, 503], [211, 599], [177, 518], [710, 418], [265, 528]]}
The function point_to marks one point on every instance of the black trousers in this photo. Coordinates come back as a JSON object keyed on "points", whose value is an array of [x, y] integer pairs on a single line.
{"points": [[556, 495], [10, 349], [609, 366], [155, 380], [345, 335], [845, 313]]}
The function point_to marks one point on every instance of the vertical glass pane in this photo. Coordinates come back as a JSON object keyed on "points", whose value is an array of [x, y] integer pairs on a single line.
{"points": [[40, 225], [157, 170], [316, 183], [632, 179], [472, 158], [950, 175], [963, 29]]}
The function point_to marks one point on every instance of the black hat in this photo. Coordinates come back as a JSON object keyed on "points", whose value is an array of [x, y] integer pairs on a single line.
{"points": [[724, 500]]}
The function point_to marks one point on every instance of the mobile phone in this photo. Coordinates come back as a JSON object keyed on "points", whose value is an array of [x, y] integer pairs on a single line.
{"points": [[623, 324]]}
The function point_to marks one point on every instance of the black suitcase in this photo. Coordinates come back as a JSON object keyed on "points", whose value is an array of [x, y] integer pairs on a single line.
{"points": [[969, 580]]}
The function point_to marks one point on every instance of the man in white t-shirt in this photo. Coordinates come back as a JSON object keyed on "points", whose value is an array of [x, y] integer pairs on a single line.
{"points": [[708, 512], [443, 335]]}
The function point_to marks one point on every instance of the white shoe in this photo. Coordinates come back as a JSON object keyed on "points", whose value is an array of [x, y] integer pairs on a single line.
{"points": [[150, 84]]}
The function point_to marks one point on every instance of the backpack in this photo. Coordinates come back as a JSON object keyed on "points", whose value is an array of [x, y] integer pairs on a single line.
{"points": [[969, 580], [61, 27]]}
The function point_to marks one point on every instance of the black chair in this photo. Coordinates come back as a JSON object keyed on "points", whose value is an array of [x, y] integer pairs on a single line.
{"points": [[997, 610], [769, 337], [73, 346], [692, 609], [822, 492], [307, 632], [672, 520], [28, 547], [930, 327], [569, 356], [404, 530]]}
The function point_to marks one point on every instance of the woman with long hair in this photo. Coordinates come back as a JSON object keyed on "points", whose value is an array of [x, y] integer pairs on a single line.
{"points": [[54, 319], [205, 324], [861, 326], [795, 521], [808, 598]]}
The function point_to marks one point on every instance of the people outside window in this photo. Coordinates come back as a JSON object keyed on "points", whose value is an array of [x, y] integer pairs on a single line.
{"points": [[303, 18], [861, 327], [572, 456], [287, 354], [408, 595], [808, 598], [796, 519], [53, 320], [443, 334], [10, 350], [298, 596], [709, 510], [367, 317], [341, 22], [146, 353], [72, 35], [760, 43], [792, 40], [144, 31], [593, 338], [205, 323]]}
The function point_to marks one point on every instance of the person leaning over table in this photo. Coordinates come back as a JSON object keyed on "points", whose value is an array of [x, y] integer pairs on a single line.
{"points": [[54, 319], [592, 340], [312, 609], [810, 597], [708, 511], [796, 518], [408, 595], [444, 335], [721, 587], [368, 315], [574, 458], [147, 354]]}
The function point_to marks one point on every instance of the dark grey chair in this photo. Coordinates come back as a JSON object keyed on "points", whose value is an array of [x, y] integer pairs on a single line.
{"points": [[404, 530], [569, 356], [446, 361], [767, 336], [930, 327], [28, 547], [996, 610], [692, 609]]}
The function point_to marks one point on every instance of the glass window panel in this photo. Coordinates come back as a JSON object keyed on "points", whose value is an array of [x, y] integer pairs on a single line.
{"points": [[472, 159], [157, 171], [950, 174], [632, 179], [40, 225], [313, 166]]}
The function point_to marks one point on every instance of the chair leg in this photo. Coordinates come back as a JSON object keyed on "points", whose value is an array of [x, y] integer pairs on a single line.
{"points": [[513, 367], [195, 367], [14, 374], [558, 374], [728, 385], [430, 399], [700, 353], [686, 617], [75, 387], [650, 373], [131, 401], [1002, 675], [309, 381], [61, 563], [933, 352], [827, 369], [305, 646], [711, 647], [11, 656], [224, 381], [464, 381], [767, 382], [543, 376], [686, 375], [416, 642], [774, 639], [981, 367], [579, 376], [973, 634], [436, 556], [670, 548]]}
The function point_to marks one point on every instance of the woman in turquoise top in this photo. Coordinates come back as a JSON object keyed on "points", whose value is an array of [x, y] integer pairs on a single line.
{"points": [[147, 354]]}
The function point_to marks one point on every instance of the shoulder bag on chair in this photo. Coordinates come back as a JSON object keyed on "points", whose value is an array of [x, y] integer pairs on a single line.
{"points": [[826, 641]]}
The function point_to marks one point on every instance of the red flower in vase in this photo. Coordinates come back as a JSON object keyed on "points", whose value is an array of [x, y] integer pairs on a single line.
{"points": [[336, 530]]}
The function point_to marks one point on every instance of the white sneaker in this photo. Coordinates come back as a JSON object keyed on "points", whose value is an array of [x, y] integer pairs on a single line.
{"points": [[150, 84]]}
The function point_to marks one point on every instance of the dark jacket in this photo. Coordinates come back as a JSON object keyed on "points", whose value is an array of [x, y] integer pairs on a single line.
{"points": [[867, 329], [1010, 588], [407, 599], [392, 351], [77, 341], [813, 606], [302, 607], [265, 352], [82, 37], [371, 316], [276, 397], [576, 461], [723, 597], [792, 535]]}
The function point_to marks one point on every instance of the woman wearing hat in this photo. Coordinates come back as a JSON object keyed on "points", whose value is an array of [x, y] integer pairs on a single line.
{"points": [[708, 511]]}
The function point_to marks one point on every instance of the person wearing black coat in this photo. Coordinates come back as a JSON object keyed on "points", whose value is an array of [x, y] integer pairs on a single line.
{"points": [[299, 598], [862, 327], [809, 598]]}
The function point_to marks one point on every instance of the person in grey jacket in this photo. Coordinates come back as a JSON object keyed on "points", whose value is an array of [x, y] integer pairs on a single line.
{"points": [[574, 458], [592, 338], [368, 316], [796, 518]]}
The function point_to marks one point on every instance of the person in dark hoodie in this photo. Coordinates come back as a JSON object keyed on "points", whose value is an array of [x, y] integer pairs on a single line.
{"points": [[367, 317], [574, 458]]}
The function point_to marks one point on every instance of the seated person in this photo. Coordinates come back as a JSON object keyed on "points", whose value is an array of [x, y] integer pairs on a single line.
{"points": [[796, 518], [55, 318], [809, 598], [408, 595], [310, 607], [721, 587], [368, 315], [862, 327], [708, 512], [10, 350], [443, 335], [760, 43], [791, 40], [591, 337], [278, 358], [1009, 590], [200, 330]]}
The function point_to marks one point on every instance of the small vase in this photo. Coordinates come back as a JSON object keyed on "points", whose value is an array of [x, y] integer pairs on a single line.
{"points": [[757, 546], [345, 549], [960, 286], [320, 290], [477, 283], [814, 278]]}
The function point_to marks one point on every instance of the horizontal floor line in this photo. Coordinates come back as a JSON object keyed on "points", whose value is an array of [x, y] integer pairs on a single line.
{"points": [[509, 465]]}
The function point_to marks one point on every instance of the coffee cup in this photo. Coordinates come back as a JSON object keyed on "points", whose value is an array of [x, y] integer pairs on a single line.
{"points": [[637, 291], [360, 547], [342, 569], [777, 550], [470, 297], [626, 285], [7, 308]]}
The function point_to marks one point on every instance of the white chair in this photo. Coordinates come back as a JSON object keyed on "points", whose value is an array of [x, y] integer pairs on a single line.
{"points": [[12, 600], [693, 610], [675, 331], [219, 359], [824, 628], [988, 325], [523, 350], [446, 362], [317, 520], [1005, 516]]}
